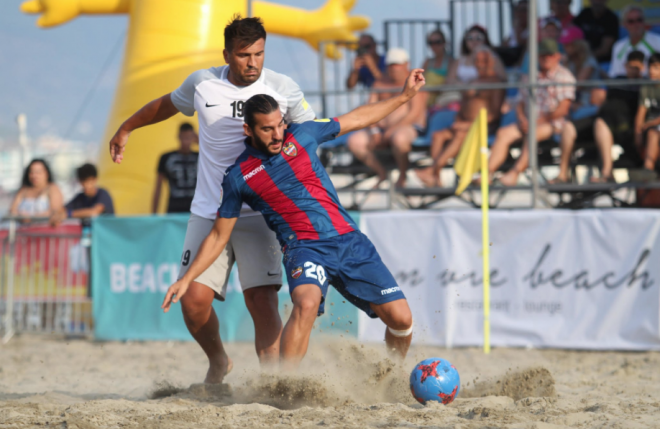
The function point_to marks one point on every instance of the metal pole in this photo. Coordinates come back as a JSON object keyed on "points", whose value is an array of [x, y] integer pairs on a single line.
{"points": [[21, 120], [532, 48], [324, 113], [9, 316], [249, 8]]}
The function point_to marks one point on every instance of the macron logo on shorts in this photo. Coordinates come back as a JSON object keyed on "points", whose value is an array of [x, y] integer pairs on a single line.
{"points": [[390, 290], [253, 172]]}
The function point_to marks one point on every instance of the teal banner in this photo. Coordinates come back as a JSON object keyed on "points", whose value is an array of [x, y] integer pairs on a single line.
{"points": [[134, 262]]}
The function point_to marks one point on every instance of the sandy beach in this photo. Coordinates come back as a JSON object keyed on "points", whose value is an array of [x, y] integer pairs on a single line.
{"points": [[83, 384]]}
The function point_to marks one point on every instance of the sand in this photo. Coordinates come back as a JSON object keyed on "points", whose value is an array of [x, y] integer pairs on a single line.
{"points": [[82, 384]]}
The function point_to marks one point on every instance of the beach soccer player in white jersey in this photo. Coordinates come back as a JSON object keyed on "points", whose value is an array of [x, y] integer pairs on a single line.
{"points": [[217, 95]]}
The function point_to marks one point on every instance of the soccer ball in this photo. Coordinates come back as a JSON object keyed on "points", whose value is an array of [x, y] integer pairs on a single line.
{"points": [[435, 379]]}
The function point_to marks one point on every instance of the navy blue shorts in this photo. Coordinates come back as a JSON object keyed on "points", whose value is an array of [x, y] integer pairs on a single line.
{"points": [[350, 263]]}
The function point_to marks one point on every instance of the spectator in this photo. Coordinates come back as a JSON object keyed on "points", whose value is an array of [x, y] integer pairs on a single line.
{"points": [[436, 67], [551, 28], [38, 196], [399, 129], [601, 29], [368, 66], [463, 70], [519, 30], [584, 67], [91, 202], [638, 40], [561, 9], [473, 102], [554, 103], [648, 120], [179, 168], [616, 117]]}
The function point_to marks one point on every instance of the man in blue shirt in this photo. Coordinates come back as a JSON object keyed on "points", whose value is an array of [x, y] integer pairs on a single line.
{"points": [[280, 175]]}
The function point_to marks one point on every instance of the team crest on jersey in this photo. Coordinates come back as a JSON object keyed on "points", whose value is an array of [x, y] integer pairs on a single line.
{"points": [[290, 149], [296, 272]]}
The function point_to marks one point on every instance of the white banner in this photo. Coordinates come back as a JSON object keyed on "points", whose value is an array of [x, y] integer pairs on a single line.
{"points": [[572, 279]]}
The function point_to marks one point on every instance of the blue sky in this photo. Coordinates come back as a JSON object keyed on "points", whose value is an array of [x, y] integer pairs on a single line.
{"points": [[46, 73]]}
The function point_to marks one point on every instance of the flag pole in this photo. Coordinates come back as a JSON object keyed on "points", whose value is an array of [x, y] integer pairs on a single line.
{"points": [[485, 233]]}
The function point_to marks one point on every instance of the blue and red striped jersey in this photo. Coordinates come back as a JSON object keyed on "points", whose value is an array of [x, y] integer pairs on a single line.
{"points": [[291, 189]]}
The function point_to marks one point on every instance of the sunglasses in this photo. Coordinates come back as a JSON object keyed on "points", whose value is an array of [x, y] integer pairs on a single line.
{"points": [[475, 38], [635, 21], [436, 42]]}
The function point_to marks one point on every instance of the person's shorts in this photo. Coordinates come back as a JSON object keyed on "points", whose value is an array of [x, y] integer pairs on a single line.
{"points": [[253, 246], [350, 263], [420, 130]]}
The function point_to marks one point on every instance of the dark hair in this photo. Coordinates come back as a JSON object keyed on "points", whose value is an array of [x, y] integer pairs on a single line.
{"points": [[186, 126], [636, 56], [480, 29], [260, 103], [370, 37], [26, 173], [86, 171], [436, 31], [654, 58], [242, 32]]}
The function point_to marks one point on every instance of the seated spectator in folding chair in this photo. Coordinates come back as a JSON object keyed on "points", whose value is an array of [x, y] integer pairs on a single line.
{"points": [[473, 102], [638, 39], [436, 69], [91, 202], [616, 118], [368, 66], [554, 103], [398, 130], [463, 69], [647, 122]]}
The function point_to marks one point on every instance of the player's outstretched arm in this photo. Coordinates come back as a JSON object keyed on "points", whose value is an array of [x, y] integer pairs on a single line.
{"points": [[208, 252], [153, 112], [369, 114]]}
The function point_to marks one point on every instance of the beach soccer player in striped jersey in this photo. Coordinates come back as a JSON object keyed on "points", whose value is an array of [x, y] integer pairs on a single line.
{"points": [[218, 96], [280, 175]]}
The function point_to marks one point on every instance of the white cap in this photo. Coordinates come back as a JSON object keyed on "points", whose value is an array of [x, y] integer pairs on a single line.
{"points": [[396, 56]]}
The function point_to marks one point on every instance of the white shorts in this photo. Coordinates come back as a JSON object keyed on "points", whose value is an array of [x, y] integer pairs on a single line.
{"points": [[252, 245]]}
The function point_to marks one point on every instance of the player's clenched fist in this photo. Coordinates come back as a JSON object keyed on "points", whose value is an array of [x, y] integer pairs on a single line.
{"points": [[414, 82]]}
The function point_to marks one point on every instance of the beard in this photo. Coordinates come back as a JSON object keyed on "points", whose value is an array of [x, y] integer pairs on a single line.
{"points": [[265, 147]]}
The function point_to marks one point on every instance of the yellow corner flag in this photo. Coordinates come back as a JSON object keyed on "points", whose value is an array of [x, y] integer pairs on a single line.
{"points": [[472, 158]]}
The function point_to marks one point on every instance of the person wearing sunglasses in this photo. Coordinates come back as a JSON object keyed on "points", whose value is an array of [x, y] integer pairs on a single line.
{"points": [[638, 40], [436, 67], [463, 70], [368, 66]]}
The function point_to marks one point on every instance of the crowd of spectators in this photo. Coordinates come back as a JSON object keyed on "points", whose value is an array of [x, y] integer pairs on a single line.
{"points": [[572, 50], [40, 197]]}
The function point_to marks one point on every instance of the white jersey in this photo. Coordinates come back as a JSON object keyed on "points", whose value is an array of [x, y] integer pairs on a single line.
{"points": [[219, 105]]}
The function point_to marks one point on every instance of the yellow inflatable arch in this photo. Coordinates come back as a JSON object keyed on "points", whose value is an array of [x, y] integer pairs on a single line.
{"points": [[167, 40]]}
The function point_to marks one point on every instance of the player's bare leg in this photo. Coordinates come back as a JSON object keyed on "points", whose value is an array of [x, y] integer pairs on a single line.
{"points": [[203, 325], [295, 337], [261, 302], [397, 317]]}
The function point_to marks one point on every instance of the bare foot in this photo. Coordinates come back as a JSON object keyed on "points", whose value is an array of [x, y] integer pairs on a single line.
{"points": [[218, 371], [510, 178], [428, 178]]}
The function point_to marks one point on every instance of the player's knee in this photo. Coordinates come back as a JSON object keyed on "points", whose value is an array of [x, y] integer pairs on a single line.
{"points": [[307, 307], [402, 320], [196, 301], [261, 300]]}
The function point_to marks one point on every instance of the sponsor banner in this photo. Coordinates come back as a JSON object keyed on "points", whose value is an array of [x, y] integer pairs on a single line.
{"points": [[136, 259], [586, 280], [50, 264]]}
